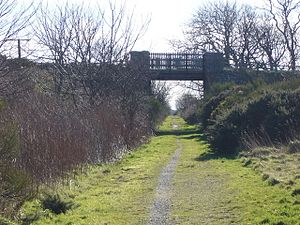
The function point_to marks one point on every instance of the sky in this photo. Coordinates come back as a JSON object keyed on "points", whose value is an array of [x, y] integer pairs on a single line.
{"points": [[168, 19]]}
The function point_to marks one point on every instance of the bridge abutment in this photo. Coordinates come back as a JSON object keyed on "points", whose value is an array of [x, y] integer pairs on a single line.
{"points": [[140, 59], [213, 65]]}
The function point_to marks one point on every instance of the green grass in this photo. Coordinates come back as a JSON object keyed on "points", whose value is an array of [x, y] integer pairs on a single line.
{"points": [[2, 104], [208, 189], [213, 190], [119, 193]]}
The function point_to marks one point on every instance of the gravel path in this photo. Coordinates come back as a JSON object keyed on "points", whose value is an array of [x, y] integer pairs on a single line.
{"points": [[159, 212]]}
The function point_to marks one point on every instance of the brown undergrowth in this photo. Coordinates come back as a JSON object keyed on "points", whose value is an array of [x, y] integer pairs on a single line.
{"points": [[45, 137]]}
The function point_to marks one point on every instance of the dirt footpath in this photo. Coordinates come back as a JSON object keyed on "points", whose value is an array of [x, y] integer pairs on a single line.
{"points": [[160, 209], [190, 191]]}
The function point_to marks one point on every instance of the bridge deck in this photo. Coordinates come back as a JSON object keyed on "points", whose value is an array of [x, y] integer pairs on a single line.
{"points": [[174, 66], [176, 75]]}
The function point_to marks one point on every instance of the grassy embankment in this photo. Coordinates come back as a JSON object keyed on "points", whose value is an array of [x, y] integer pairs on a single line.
{"points": [[207, 189]]}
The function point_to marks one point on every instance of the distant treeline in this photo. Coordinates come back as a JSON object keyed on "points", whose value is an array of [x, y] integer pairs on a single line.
{"points": [[248, 37]]}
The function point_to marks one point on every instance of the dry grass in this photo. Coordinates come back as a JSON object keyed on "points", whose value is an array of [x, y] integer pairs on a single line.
{"points": [[275, 164]]}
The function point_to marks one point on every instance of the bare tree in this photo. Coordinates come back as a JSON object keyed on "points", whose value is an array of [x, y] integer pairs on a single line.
{"points": [[247, 46], [285, 14], [74, 33], [226, 28], [193, 87], [14, 18], [186, 101], [187, 106], [83, 43], [213, 28], [271, 43], [56, 32], [246, 37], [119, 33], [160, 89]]}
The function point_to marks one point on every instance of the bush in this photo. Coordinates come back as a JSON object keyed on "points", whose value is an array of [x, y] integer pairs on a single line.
{"points": [[278, 113], [272, 181], [187, 107], [224, 134], [296, 192], [159, 109], [217, 88], [4, 221], [209, 107], [191, 116], [15, 184], [269, 116], [56, 204]]}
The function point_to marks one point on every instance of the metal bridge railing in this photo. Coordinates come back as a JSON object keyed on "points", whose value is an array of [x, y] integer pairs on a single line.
{"points": [[176, 62]]}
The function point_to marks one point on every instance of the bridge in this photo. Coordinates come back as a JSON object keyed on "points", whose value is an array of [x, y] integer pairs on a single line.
{"points": [[174, 66], [179, 66]]}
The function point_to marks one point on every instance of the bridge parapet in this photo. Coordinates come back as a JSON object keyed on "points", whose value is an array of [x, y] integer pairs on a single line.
{"points": [[176, 62]]}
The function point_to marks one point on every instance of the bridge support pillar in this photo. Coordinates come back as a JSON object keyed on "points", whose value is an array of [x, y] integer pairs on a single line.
{"points": [[141, 62], [213, 64], [140, 59]]}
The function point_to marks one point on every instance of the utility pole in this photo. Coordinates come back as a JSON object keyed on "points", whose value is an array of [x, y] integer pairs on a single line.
{"points": [[19, 44]]}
